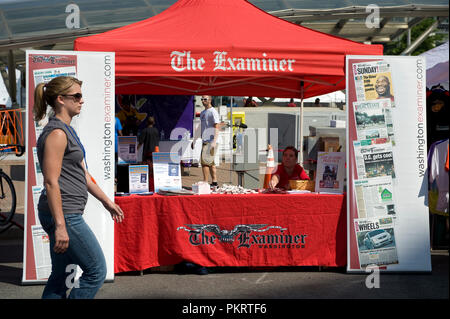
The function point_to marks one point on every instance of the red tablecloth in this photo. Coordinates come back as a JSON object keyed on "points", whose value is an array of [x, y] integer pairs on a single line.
{"points": [[276, 230]]}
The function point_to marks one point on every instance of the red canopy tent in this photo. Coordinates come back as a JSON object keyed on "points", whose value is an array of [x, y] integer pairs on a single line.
{"points": [[224, 48]]}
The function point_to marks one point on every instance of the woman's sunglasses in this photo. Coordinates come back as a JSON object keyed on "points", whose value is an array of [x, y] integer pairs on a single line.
{"points": [[77, 96]]}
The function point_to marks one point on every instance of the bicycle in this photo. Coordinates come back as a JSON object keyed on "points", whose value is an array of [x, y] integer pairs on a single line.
{"points": [[8, 199]]}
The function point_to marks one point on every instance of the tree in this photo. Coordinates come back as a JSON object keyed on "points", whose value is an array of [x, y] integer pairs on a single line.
{"points": [[395, 48]]}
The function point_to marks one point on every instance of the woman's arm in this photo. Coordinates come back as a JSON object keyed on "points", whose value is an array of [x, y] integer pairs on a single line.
{"points": [[274, 181], [114, 209], [54, 149]]}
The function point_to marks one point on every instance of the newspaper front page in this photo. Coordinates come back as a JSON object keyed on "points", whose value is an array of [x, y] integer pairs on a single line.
{"points": [[373, 81], [376, 241], [373, 160], [374, 120], [375, 197], [41, 247]]}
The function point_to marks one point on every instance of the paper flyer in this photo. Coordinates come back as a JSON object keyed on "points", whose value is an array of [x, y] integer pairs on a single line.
{"points": [[127, 149], [330, 172], [138, 178], [166, 171]]}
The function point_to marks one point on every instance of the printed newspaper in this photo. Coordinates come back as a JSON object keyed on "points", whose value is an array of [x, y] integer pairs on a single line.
{"points": [[373, 160], [376, 241], [373, 81], [374, 197], [373, 120]]}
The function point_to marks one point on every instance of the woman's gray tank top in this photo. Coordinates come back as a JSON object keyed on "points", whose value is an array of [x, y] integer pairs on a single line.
{"points": [[72, 180]]}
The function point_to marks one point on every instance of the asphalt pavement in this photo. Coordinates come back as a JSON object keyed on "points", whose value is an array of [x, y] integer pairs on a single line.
{"points": [[178, 295], [240, 282]]}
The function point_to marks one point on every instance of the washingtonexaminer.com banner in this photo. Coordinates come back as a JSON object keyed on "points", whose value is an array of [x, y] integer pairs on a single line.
{"points": [[95, 128], [386, 164]]}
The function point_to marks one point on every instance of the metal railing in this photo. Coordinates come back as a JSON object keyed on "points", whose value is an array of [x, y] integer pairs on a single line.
{"points": [[11, 129]]}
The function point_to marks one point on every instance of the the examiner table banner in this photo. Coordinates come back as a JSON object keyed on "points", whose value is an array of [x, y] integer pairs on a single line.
{"points": [[231, 230]]}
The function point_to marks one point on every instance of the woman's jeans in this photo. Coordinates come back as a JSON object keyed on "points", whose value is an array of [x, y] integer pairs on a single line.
{"points": [[84, 251]]}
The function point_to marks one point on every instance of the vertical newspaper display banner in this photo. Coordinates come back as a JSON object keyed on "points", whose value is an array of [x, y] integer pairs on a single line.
{"points": [[330, 172], [95, 128], [386, 164], [166, 171]]}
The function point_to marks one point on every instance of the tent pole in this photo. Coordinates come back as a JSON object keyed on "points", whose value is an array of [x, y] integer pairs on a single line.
{"points": [[301, 124], [231, 140]]}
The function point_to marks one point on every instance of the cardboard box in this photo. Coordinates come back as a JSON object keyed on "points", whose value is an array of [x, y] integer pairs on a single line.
{"points": [[329, 144]]}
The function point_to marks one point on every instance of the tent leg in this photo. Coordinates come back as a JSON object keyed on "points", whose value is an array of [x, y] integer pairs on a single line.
{"points": [[231, 140], [12, 78], [300, 150]]}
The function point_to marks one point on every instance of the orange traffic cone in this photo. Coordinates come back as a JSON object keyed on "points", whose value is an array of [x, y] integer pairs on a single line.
{"points": [[270, 166]]}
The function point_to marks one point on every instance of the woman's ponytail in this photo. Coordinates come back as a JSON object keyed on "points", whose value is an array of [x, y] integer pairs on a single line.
{"points": [[40, 104]]}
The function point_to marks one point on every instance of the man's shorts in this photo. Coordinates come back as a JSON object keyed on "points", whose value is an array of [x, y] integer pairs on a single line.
{"points": [[207, 157]]}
